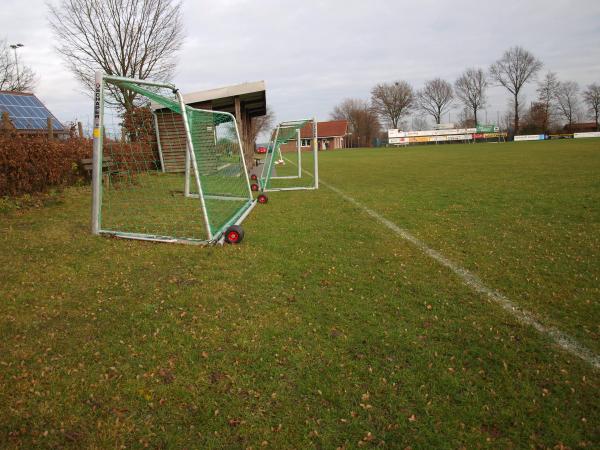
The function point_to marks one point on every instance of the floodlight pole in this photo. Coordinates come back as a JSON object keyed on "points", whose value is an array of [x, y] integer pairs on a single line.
{"points": [[15, 47]]}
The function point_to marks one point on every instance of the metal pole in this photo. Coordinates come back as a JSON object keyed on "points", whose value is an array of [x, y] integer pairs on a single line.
{"points": [[192, 157], [17, 66], [15, 47], [242, 155], [97, 155], [299, 148], [186, 182], [270, 161], [316, 152], [160, 154]]}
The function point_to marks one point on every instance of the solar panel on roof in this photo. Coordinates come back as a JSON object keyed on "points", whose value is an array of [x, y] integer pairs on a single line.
{"points": [[27, 112]]}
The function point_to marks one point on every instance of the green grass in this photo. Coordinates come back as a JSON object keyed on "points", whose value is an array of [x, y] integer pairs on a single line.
{"points": [[322, 329]]}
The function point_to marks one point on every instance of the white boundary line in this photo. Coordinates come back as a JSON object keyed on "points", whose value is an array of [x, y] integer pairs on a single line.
{"points": [[565, 341]]}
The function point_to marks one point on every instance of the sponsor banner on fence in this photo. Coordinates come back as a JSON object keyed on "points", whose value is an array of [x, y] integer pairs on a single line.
{"points": [[487, 129], [586, 135], [460, 137], [394, 133], [398, 140], [419, 139], [530, 137]]}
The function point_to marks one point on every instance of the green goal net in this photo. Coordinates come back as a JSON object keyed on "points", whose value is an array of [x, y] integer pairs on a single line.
{"points": [[164, 172], [291, 162]]}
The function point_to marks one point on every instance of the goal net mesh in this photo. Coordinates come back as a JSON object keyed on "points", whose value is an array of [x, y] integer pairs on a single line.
{"points": [[147, 191]]}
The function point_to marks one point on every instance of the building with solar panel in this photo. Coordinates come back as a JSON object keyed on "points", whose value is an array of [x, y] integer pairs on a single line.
{"points": [[26, 114]]}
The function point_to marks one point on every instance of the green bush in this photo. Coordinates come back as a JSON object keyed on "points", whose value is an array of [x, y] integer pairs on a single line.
{"points": [[30, 164]]}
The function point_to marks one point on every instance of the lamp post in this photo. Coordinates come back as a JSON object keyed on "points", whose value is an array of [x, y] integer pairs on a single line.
{"points": [[15, 47]]}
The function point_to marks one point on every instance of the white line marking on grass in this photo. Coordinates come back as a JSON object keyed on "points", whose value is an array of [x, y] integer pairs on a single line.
{"points": [[563, 340]]}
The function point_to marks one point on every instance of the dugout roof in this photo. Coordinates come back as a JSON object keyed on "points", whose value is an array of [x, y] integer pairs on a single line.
{"points": [[252, 97]]}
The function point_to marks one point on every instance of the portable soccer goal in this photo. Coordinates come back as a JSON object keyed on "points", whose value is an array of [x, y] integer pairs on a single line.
{"points": [[292, 160], [164, 171]]}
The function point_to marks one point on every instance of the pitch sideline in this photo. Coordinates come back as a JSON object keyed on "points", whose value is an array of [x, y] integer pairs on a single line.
{"points": [[563, 340]]}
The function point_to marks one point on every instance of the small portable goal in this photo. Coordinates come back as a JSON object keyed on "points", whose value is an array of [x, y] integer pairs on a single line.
{"points": [[292, 160], [164, 171]]}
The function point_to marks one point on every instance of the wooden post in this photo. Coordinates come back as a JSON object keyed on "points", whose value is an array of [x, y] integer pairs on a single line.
{"points": [[50, 130], [80, 130], [238, 114], [248, 152]]}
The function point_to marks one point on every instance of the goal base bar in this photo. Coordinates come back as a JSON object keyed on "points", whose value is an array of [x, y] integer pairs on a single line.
{"points": [[290, 189], [218, 239]]}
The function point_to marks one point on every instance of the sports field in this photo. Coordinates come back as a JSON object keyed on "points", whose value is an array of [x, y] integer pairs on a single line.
{"points": [[430, 297]]}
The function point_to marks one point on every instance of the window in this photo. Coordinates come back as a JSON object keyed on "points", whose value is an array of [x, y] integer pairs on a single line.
{"points": [[305, 143]]}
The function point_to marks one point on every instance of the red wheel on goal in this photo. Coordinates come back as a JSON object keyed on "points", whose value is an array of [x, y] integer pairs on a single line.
{"points": [[253, 177], [262, 198], [234, 234], [254, 187]]}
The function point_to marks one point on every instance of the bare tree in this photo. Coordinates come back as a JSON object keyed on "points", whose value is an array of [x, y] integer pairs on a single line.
{"points": [[591, 97], [130, 38], [435, 98], [545, 106], [362, 120], [392, 101], [567, 99], [260, 124], [513, 70], [470, 89], [12, 77]]}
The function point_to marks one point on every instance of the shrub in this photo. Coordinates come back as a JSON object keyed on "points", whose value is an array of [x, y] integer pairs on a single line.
{"points": [[30, 164]]}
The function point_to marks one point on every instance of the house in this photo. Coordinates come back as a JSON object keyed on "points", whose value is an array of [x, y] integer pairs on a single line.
{"points": [[580, 127], [25, 113], [332, 135]]}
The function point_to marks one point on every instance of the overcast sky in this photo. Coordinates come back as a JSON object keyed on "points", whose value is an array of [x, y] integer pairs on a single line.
{"points": [[313, 54]]}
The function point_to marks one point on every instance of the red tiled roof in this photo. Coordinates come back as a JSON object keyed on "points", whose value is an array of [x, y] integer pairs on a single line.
{"points": [[326, 129]]}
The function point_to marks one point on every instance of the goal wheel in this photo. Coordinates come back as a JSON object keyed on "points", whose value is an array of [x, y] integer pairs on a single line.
{"points": [[262, 198], [234, 234], [254, 187], [253, 177]]}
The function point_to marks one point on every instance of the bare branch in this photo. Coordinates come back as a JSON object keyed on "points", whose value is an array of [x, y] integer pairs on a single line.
{"points": [[591, 97], [13, 78], [130, 38], [392, 101], [546, 105], [567, 99], [436, 98], [362, 120], [470, 89], [260, 125], [516, 67]]}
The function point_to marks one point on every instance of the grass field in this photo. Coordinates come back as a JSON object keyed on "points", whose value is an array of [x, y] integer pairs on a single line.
{"points": [[324, 328]]}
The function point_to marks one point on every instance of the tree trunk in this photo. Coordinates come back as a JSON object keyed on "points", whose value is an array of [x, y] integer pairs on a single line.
{"points": [[475, 115], [516, 131]]}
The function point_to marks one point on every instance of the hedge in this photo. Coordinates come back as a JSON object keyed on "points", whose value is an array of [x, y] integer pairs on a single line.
{"points": [[31, 164]]}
